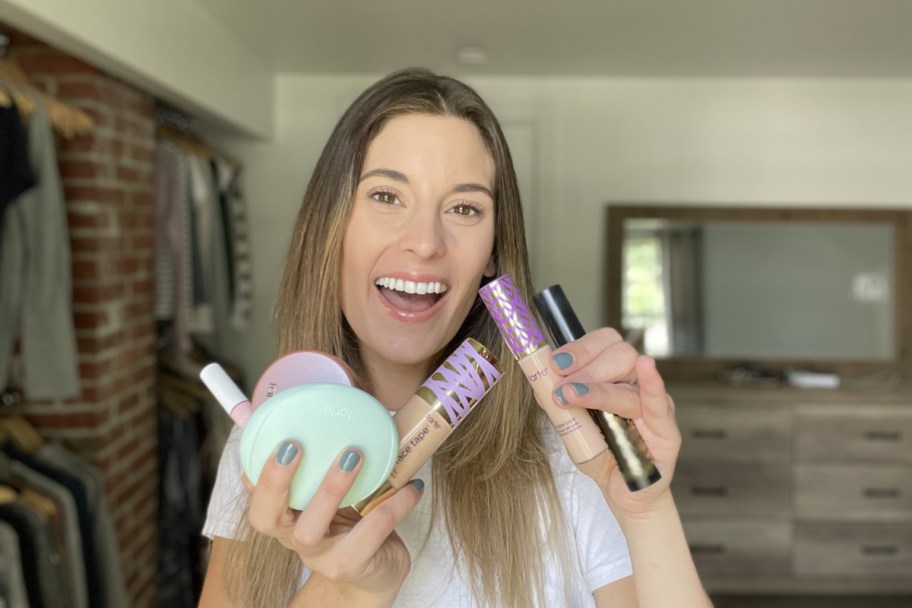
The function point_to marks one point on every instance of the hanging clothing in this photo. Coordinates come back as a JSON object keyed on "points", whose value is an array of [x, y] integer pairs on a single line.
{"points": [[17, 178], [12, 286], [88, 563], [70, 537], [203, 209], [104, 538], [192, 428], [203, 263], [86, 525], [15, 172], [12, 580], [180, 510], [39, 553], [173, 241], [237, 243], [36, 283]]}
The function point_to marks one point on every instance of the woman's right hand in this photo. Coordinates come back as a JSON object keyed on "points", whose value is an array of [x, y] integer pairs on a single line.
{"points": [[364, 555]]}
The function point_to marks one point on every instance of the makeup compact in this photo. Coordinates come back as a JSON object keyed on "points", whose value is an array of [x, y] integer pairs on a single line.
{"points": [[297, 368], [308, 397], [325, 419]]}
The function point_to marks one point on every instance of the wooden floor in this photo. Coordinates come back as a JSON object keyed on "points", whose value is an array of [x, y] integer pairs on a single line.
{"points": [[771, 601]]}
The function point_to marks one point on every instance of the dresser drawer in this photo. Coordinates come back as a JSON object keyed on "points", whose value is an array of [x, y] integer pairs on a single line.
{"points": [[735, 433], [739, 547], [863, 434], [853, 490], [849, 550], [732, 489]]}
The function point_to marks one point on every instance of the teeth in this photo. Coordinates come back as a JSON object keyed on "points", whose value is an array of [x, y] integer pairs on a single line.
{"points": [[411, 286]]}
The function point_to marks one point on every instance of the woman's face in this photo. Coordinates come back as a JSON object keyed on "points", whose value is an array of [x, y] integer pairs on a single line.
{"points": [[420, 237]]}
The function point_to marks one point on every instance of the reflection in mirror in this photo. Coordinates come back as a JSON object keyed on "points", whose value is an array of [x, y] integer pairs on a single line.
{"points": [[761, 289]]}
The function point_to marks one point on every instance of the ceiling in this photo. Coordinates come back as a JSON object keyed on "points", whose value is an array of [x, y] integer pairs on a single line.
{"points": [[667, 38]]}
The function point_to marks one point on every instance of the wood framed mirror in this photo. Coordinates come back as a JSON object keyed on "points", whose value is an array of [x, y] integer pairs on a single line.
{"points": [[706, 289]]}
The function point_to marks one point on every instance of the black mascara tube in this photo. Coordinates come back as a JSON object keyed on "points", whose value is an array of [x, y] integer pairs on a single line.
{"points": [[626, 445]]}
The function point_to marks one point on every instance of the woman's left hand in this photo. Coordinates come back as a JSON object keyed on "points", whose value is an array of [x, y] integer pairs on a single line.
{"points": [[602, 371]]}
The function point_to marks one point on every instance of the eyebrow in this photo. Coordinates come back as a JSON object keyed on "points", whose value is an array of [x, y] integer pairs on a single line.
{"points": [[474, 188], [390, 173], [401, 177]]}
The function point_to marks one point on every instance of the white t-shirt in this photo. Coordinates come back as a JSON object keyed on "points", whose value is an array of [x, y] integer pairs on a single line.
{"points": [[433, 581]]}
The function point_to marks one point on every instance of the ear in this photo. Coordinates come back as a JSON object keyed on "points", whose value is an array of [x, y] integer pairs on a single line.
{"points": [[491, 268]]}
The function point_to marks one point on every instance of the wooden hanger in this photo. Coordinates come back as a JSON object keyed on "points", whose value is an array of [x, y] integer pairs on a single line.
{"points": [[41, 504], [21, 432], [7, 495], [175, 400], [184, 386], [67, 120], [10, 94], [194, 146]]}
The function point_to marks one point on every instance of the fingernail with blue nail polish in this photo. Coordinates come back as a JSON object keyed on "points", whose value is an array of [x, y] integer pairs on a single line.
{"points": [[419, 484], [349, 461], [581, 389], [287, 452], [560, 395], [563, 360]]}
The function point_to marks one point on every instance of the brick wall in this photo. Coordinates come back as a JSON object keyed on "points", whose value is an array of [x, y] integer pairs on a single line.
{"points": [[108, 179]]}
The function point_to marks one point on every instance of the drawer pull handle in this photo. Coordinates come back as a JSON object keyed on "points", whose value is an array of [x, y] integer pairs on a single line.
{"points": [[709, 434], [880, 550], [709, 491], [707, 549], [883, 436], [881, 493]]}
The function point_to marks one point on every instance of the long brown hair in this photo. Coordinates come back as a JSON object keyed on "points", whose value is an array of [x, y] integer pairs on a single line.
{"points": [[492, 479]]}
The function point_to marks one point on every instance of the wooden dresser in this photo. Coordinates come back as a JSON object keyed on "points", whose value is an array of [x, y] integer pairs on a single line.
{"points": [[784, 490]]}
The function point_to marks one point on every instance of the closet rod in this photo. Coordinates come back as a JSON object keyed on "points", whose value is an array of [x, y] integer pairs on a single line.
{"points": [[193, 145]]}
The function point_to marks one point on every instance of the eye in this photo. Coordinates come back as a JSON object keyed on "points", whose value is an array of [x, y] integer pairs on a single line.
{"points": [[467, 209], [385, 197]]}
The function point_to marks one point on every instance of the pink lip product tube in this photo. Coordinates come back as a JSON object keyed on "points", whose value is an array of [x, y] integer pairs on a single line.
{"points": [[293, 369], [439, 405], [625, 442], [227, 393], [529, 346]]}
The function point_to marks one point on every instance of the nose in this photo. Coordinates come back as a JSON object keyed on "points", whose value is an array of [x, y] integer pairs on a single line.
{"points": [[423, 234]]}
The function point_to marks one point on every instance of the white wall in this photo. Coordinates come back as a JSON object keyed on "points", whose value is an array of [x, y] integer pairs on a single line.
{"points": [[764, 142], [169, 48]]}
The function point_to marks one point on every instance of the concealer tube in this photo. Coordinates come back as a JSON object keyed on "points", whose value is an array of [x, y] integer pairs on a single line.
{"points": [[445, 399], [529, 346], [622, 436]]}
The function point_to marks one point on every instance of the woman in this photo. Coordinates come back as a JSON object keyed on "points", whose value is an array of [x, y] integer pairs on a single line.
{"points": [[416, 183]]}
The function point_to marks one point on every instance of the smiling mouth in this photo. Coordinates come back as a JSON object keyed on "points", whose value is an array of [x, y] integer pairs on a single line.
{"points": [[410, 296]]}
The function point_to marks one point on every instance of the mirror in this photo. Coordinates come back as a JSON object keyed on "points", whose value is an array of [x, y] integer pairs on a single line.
{"points": [[811, 287]]}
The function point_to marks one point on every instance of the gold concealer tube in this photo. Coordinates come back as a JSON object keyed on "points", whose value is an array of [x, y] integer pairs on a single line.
{"points": [[623, 438], [529, 346], [445, 399]]}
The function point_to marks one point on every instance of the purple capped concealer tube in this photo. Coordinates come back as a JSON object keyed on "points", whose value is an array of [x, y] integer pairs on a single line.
{"points": [[532, 351], [439, 405]]}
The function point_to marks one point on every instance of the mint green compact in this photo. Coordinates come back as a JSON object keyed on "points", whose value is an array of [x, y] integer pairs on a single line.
{"points": [[325, 419]]}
